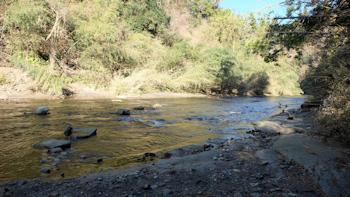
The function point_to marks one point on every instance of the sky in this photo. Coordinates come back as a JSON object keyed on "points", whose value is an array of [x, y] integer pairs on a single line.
{"points": [[245, 6]]}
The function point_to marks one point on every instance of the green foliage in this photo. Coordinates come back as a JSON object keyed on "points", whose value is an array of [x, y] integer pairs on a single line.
{"points": [[144, 15], [3, 80]]}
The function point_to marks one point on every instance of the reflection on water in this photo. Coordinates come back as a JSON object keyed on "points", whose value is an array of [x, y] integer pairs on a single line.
{"points": [[120, 139]]}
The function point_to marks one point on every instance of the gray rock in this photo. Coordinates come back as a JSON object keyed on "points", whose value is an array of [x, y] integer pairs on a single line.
{"points": [[83, 157], [167, 192], [292, 195], [264, 163], [139, 108], [145, 186], [42, 110], [2, 192], [53, 143], [21, 182], [176, 153], [123, 112], [84, 133], [158, 122], [68, 131], [216, 141], [255, 195], [320, 159], [192, 148], [54, 194], [56, 150], [73, 137], [154, 187], [45, 170]]}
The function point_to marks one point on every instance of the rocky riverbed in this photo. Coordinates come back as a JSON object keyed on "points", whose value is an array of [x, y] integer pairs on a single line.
{"points": [[266, 162]]}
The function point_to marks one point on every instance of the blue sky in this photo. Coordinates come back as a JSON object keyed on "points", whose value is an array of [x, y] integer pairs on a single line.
{"points": [[244, 6]]}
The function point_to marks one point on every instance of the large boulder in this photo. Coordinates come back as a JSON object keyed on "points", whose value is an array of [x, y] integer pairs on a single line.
{"points": [[42, 110], [123, 112], [83, 133], [53, 143]]}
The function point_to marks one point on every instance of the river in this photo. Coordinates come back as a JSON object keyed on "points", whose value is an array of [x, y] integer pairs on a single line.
{"points": [[120, 140]]}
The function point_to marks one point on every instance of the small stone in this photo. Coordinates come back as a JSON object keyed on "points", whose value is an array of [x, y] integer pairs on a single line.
{"points": [[54, 194], [255, 195], [56, 150], [45, 170], [99, 160], [21, 182], [154, 186], [275, 189], [282, 166], [68, 130], [221, 158], [292, 195], [215, 158], [83, 157], [145, 186], [167, 192], [264, 163], [42, 110], [155, 177], [73, 137], [139, 108], [123, 112], [56, 160]]}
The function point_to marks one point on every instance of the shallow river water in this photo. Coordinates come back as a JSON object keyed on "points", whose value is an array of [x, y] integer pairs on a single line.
{"points": [[120, 140]]}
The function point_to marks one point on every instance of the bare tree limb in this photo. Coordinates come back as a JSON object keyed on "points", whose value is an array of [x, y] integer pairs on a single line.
{"points": [[304, 32]]}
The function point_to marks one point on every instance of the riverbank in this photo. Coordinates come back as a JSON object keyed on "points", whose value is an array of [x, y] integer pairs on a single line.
{"points": [[266, 162]]}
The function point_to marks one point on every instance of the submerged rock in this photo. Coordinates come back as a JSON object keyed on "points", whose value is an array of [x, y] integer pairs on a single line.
{"points": [[56, 150], [53, 143], [139, 108], [68, 131], [42, 110], [158, 122], [83, 133], [123, 112]]}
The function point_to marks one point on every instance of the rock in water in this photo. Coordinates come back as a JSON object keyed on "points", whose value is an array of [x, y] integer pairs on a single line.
{"points": [[56, 150], [139, 108], [74, 137], [68, 131], [45, 170], [123, 112], [42, 110], [53, 143], [83, 133]]}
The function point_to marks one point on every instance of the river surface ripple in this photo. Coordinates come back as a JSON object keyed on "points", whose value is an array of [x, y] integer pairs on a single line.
{"points": [[120, 139]]}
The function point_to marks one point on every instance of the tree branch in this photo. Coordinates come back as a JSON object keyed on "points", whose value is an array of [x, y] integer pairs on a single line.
{"points": [[304, 32]]}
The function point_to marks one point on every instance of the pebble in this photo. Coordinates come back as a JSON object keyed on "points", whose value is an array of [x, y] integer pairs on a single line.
{"points": [[221, 158], [282, 166], [215, 158], [145, 186], [264, 163], [292, 195], [56, 150], [56, 160], [155, 177], [255, 195], [167, 192], [45, 170], [83, 157], [154, 186]]}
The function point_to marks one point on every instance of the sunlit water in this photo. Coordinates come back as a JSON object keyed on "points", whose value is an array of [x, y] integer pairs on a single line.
{"points": [[120, 139]]}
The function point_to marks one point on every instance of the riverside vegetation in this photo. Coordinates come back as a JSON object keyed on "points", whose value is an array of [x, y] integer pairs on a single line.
{"points": [[135, 47]]}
